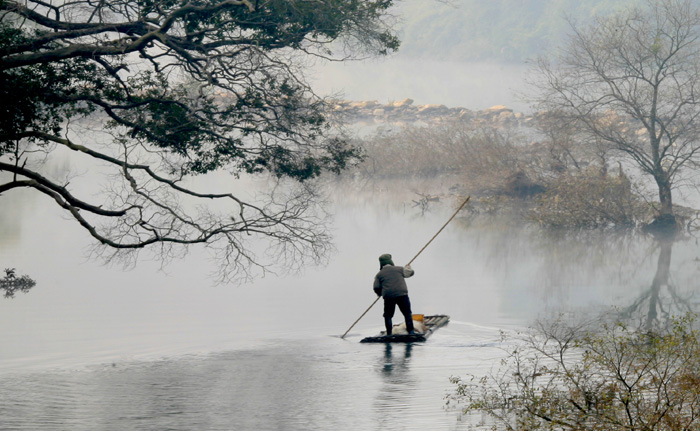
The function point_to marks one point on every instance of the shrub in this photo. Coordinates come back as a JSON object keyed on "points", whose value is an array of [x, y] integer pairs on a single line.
{"points": [[482, 158], [569, 377], [12, 284], [589, 199]]}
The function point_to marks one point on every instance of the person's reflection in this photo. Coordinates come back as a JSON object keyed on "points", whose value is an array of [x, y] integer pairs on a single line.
{"points": [[393, 364], [397, 392]]}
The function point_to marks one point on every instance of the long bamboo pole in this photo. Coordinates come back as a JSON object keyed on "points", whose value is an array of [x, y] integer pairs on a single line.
{"points": [[409, 263]]}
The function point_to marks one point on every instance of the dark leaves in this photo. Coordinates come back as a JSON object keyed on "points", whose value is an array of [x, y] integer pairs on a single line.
{"points": [[12, 284]]}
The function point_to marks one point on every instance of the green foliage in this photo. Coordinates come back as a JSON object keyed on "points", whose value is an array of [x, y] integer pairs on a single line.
{"points": [[593, 377], [283, 23], [240, 87], [35, 98], [151, 93], [12, 284]]}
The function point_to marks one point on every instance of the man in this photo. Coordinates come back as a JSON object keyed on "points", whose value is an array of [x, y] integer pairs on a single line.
{"points": [[390, 284]]}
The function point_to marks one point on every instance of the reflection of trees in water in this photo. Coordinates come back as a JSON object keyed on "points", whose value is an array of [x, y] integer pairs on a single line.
{"points": [[655, 306], [553, 264], [11, 283], [556, 261], [580, 257]]}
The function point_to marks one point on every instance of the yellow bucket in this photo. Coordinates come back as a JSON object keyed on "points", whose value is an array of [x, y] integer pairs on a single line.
{"points": [[418, 317]]}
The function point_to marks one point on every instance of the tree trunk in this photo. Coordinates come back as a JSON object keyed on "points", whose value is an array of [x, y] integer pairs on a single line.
{"points": [[665, 223], [665, 198], [660, 279]]}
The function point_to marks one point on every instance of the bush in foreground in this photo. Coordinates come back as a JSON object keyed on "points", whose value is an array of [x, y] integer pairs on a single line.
{"points": [[572, 377]]}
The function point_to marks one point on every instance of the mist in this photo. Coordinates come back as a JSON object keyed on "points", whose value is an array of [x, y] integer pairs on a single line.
{"points": [[162, 344], [471, 85]]}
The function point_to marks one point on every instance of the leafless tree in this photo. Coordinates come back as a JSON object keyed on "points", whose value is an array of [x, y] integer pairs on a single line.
{"points": [[632, 81]]}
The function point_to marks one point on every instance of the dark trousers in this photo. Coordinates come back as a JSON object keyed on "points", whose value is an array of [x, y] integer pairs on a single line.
{"points": [[390, 306]]}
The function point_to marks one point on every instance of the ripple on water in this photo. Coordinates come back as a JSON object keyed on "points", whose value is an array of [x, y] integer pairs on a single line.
{"points": [[316, 384]]}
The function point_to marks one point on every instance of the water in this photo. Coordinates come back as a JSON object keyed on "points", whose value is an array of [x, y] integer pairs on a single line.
{"points": [[98, 348], [316, 383]]}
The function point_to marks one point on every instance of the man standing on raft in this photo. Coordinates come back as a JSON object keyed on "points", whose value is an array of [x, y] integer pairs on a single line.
{"points": [[390, 284]]}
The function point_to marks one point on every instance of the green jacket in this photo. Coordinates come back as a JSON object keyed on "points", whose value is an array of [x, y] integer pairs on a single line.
{"points": [[389, 281]]}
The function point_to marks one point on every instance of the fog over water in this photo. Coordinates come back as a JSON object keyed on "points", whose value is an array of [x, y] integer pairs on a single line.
{"points": [[95, 347], [162, 346], [98, 347]]}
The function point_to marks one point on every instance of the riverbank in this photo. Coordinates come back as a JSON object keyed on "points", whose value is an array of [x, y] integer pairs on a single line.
{"points": [[406, 112]]}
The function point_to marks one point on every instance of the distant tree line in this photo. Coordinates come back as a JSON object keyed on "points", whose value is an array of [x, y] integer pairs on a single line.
{"points": [[620, 95], [503, 30], [542, 169]]}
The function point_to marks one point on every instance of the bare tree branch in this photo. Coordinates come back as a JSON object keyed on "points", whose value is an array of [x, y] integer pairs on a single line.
{"points": [[174, 90], [632, 80]]}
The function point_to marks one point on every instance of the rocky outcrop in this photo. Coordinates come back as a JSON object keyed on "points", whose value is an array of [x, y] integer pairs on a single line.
{"points": [[405, 111]]}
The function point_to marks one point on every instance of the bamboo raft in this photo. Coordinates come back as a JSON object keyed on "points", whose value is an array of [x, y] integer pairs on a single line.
{"points": [[432, 323]]}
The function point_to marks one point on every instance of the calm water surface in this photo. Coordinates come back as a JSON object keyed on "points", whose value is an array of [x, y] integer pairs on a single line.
{"points": [[99, 348]]}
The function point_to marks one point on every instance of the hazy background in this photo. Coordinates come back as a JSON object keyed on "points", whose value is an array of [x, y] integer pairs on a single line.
{"points": [[100, 347], [462, 53]]}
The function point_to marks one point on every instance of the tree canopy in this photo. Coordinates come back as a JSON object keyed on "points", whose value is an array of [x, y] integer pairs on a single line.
{"points": [[153, 93]]}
